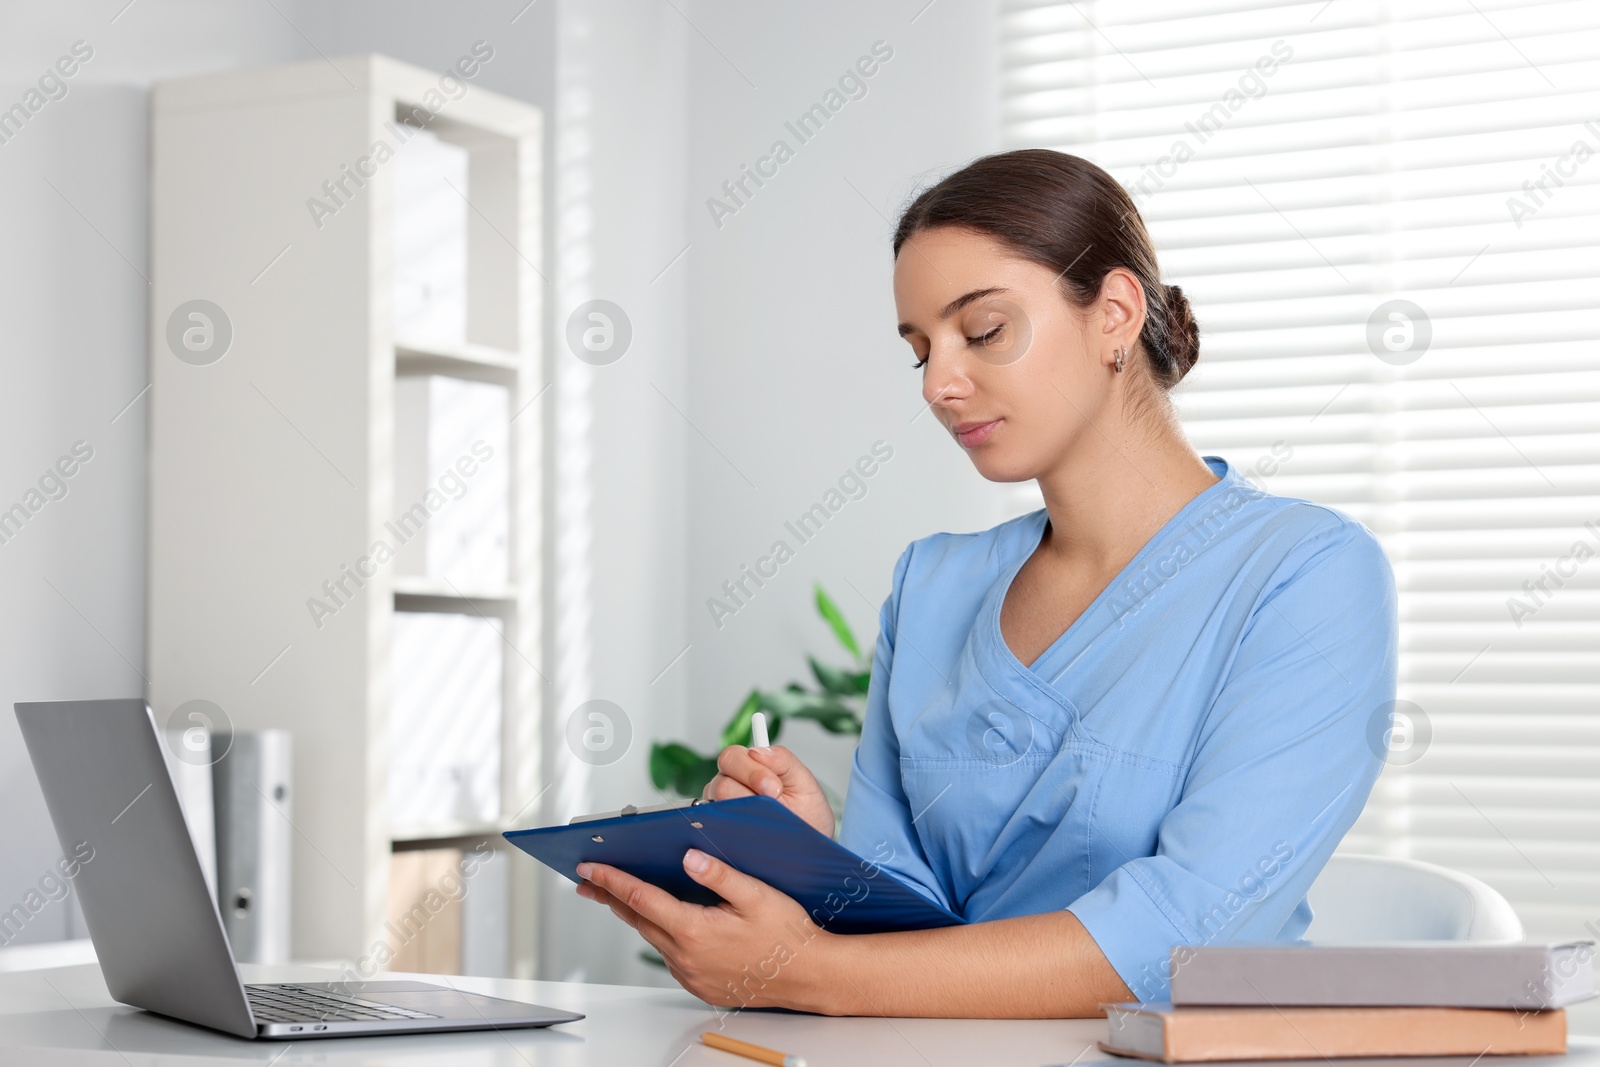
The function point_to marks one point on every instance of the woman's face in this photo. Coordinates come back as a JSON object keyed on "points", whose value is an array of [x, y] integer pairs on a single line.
{"points": [[1013, 370]]}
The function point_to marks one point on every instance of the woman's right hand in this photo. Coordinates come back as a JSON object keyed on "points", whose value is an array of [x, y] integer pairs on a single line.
{"points": [[771, 772]]}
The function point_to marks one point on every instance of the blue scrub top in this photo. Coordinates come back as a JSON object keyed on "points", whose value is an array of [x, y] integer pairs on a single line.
{"points": [[1175, 769]]}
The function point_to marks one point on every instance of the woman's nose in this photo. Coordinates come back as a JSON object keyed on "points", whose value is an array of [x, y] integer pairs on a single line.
{"points": [[945, 379]]}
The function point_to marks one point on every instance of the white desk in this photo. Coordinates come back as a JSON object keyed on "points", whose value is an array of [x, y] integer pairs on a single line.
{"points": [[65, 1016]]}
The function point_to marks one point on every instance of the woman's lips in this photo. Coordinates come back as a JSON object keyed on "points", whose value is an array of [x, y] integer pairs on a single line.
{"points": [[973, 434]]}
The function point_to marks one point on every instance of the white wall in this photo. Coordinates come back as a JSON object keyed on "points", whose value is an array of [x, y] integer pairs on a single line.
{"points": [[75, 354], [769, 343], [795, 368], [72, 356]]}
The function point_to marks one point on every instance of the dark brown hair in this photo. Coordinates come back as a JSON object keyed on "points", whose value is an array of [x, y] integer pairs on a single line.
{"points": [[1066, 214]]}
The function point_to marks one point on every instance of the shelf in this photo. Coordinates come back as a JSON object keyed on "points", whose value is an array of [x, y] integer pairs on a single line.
{"points": [[432, 594], [443, 834], [240, 151], [479, 363]]}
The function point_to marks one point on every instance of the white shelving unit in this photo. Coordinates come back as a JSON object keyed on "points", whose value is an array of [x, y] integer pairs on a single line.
{"points": [[273, 464]]}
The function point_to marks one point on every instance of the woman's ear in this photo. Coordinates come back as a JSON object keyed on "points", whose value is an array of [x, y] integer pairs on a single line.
{"points": [[1122, 309]]}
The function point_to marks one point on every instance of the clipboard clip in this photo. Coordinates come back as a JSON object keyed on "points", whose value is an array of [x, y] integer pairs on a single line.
{"points": [[631, 809]]}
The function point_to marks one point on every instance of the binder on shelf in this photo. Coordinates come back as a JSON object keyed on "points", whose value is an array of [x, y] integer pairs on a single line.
{"points": [[486, 918], [449, 911], [254, 796], [430, 240], [187, 753], [444, 721], [425, 911], [452, 480]]}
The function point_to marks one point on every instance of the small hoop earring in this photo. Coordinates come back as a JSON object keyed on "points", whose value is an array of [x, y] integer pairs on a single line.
{"points": [[1122, 356]]}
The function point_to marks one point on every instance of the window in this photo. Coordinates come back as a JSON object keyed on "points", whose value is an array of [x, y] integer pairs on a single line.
{"points": [[1387, 217]]}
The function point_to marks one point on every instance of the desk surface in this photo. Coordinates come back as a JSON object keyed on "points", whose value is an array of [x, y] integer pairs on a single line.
{"points": [[65, 1016]]}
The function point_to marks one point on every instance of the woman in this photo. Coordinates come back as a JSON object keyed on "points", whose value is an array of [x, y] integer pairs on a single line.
{"points": [[1141, 717]]}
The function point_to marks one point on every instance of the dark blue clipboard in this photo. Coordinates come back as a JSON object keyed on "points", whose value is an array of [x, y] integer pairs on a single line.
{"points": [[844, 893]]}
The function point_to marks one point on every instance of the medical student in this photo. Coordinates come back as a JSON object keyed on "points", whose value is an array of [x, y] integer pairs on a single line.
{"points": [[1138, 718]]}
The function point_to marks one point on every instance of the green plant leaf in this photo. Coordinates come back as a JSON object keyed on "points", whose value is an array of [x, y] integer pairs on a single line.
{"points": [[840, 682], [836, 621], [794, 701], [653, 958], [684, 771], [680, 769], [691, 781], [737, 732], [786, 701], [665, 760], [836, 719], [828, 711]]}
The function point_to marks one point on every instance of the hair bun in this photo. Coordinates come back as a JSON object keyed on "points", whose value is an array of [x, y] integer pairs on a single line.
{"points": [[1183, 333]]}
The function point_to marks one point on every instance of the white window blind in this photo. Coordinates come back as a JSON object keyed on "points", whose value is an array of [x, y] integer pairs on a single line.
{"points": [[1301, 166]]}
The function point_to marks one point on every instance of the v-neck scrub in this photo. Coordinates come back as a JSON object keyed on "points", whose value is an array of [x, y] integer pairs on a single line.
{"points": [[1175, 768]]}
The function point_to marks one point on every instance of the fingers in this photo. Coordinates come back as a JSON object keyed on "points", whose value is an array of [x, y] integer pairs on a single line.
{"points": [[658, 937], [590, 891], [772, 772], [724, 788], [737, 888], [737, 763], [796, 777], [649, 904], [785, 764]]}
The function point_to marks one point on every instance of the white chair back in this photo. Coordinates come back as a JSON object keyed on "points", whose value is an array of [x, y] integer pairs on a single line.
{"points": [[1376, 898]]}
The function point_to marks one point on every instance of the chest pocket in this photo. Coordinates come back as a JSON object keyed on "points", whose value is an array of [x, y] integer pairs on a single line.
{"points": [[1135, 795], [1002, 831]]}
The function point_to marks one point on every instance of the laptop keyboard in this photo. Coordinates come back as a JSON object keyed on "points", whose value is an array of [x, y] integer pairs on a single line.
{"points": [[293, 1004]]}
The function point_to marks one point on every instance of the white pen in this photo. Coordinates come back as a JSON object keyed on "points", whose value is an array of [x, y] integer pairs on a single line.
{"points": [[758, 731]]}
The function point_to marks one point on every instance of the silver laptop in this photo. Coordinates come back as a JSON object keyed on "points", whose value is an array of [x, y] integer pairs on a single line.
{"points": [[154, 924]]}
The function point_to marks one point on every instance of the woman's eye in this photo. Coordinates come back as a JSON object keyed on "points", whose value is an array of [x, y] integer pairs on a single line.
{"points": [[989, 337], [922, 361]]}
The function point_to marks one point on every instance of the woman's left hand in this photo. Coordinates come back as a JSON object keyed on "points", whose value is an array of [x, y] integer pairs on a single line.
{"points": [[758, 949]]}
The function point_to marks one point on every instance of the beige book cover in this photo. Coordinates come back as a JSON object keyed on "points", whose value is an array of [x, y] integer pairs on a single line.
{"points": [[1159, 1031]]}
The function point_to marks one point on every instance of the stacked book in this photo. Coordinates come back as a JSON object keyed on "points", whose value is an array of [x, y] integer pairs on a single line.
{"points": [[1303, 1001]]}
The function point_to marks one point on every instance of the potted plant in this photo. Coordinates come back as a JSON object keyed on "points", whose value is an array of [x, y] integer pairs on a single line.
{"points": [[836, 702]]}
